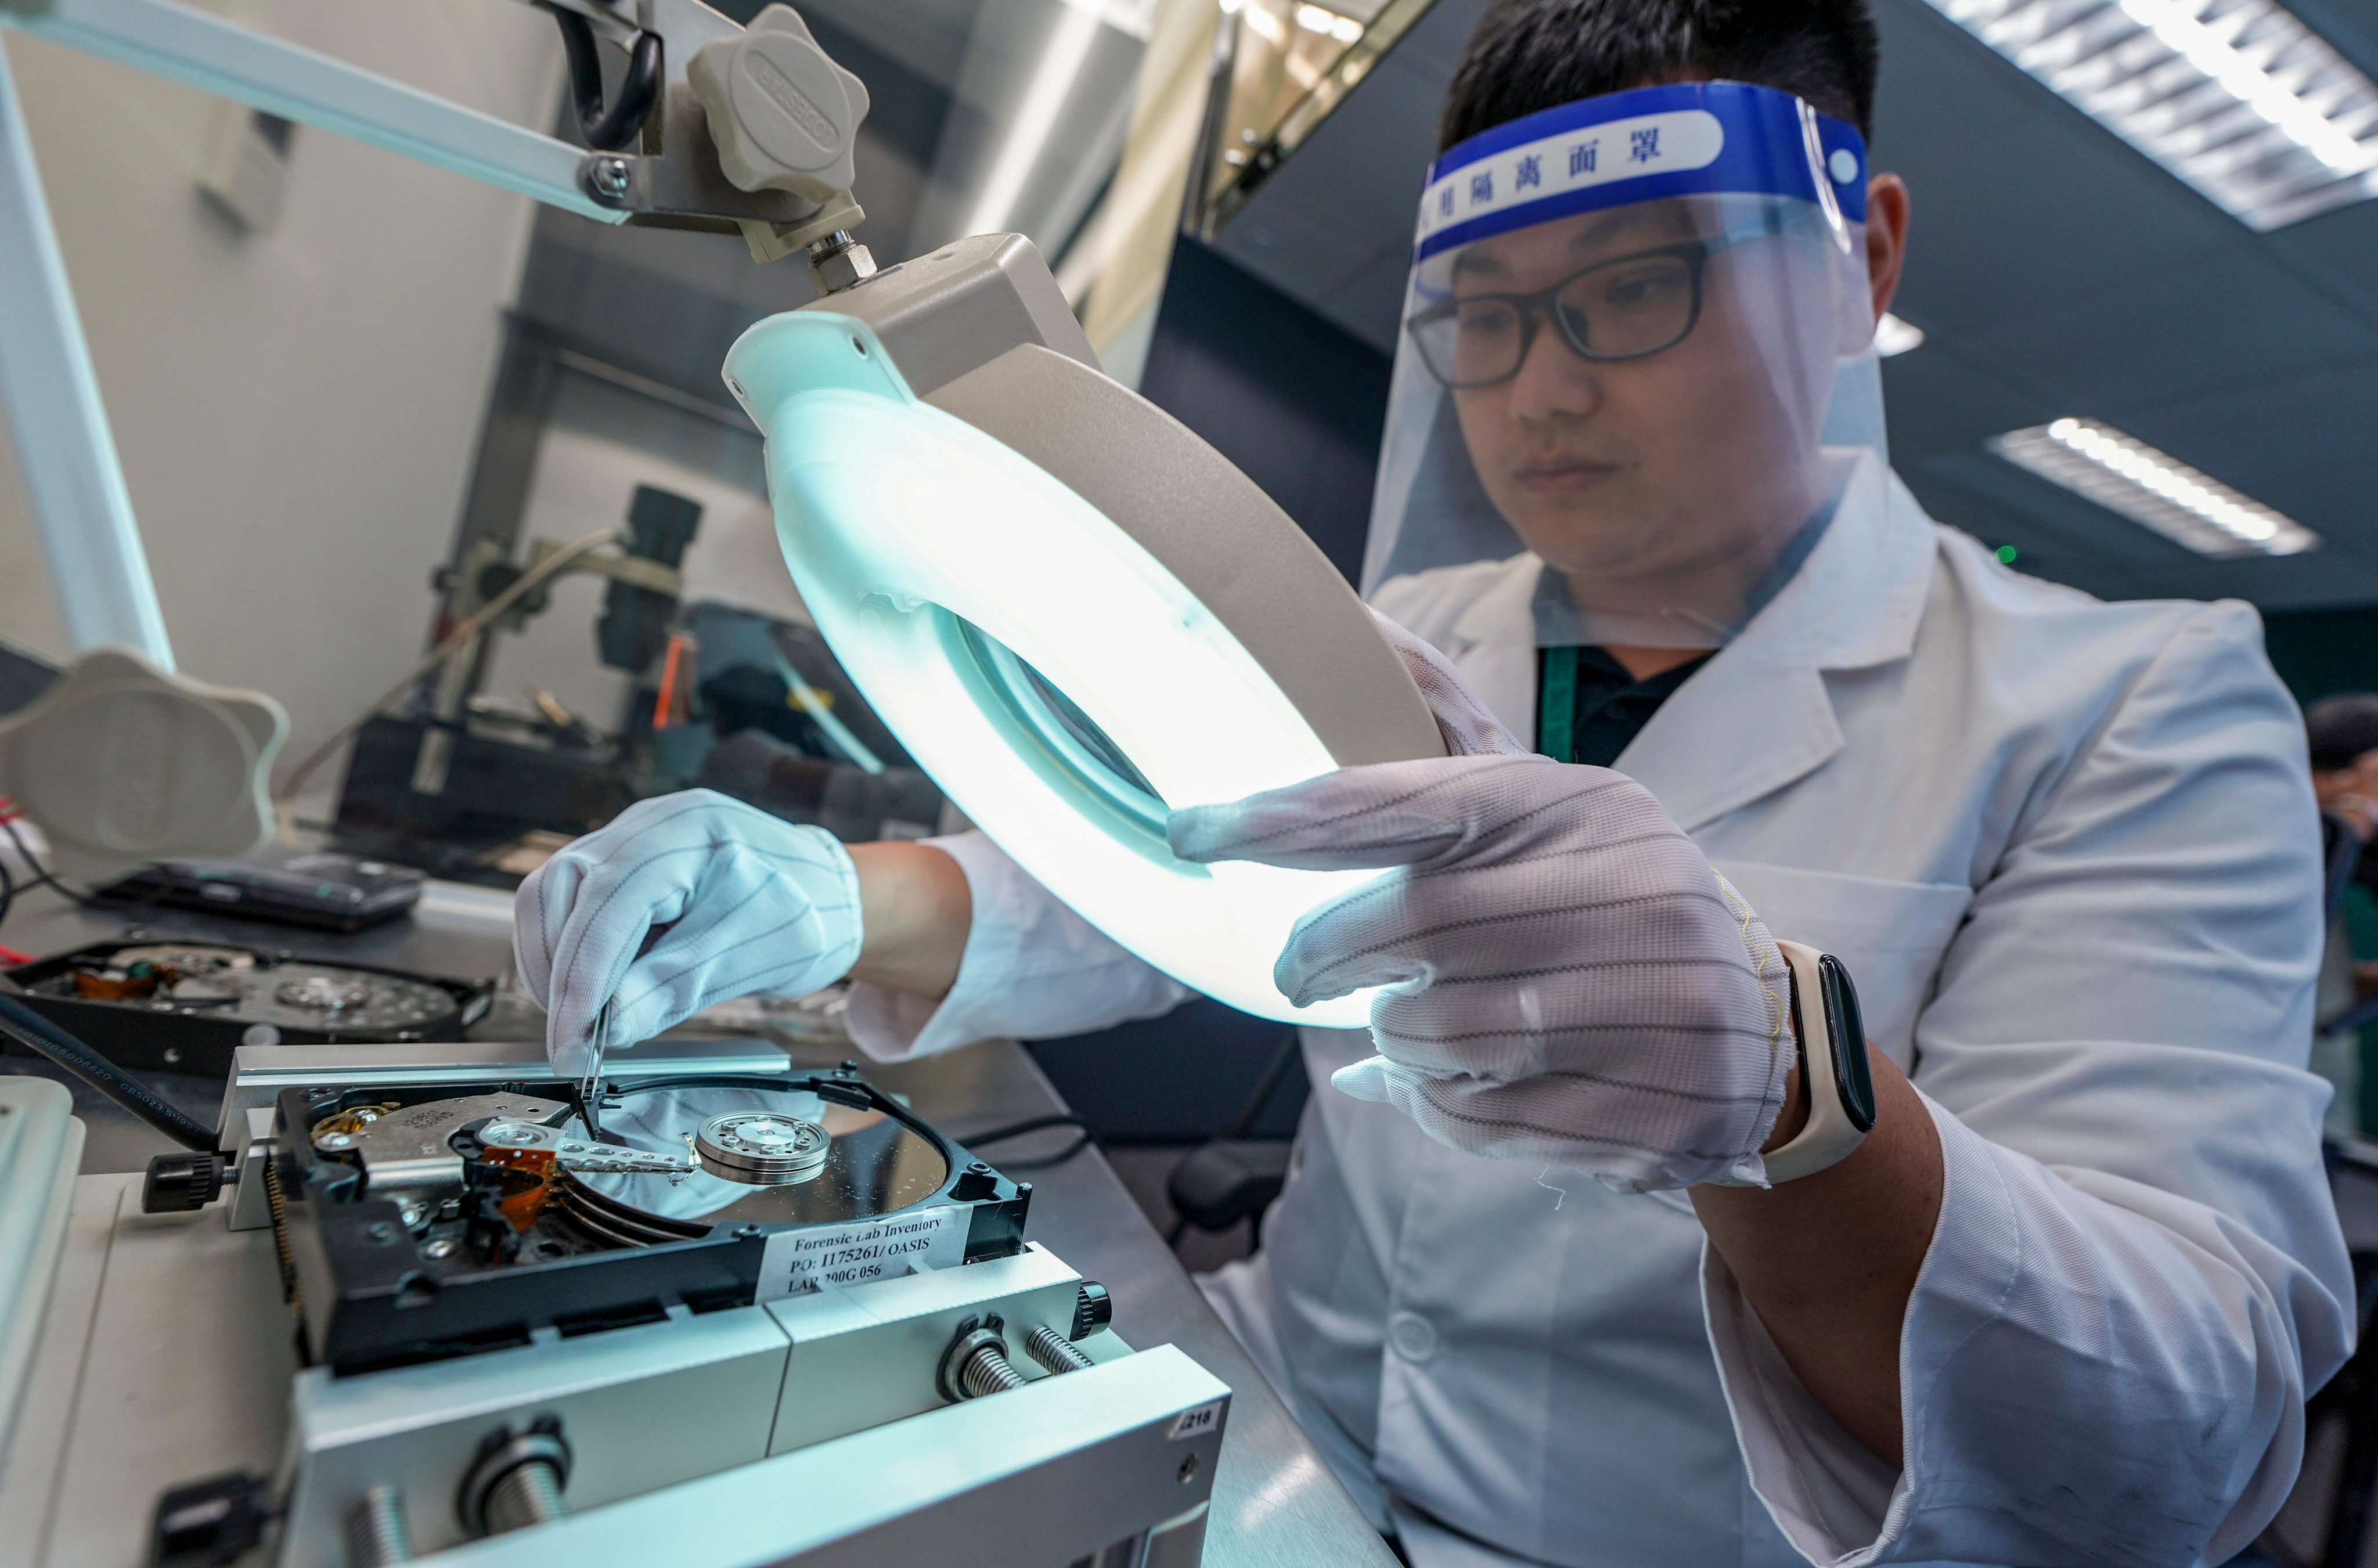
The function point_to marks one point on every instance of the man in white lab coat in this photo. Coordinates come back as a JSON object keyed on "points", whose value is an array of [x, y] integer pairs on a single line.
{"points": [[2063, 1302]]}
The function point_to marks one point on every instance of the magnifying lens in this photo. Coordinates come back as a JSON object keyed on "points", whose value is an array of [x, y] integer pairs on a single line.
{"points": [[1074, 614]]}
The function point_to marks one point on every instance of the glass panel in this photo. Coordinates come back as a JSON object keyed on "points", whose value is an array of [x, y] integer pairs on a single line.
{"points": [[1073, 739], [1288, 64]]}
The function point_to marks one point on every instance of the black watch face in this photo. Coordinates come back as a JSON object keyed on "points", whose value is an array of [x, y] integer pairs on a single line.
{"points": [[1847, 1031]]}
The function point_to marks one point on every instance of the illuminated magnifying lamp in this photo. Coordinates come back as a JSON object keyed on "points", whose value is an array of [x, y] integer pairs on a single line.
{"points": [[1074, 613]]}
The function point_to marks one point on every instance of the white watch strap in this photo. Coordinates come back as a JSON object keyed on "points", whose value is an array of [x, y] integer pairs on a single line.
{"points": [[1840, 1098]]}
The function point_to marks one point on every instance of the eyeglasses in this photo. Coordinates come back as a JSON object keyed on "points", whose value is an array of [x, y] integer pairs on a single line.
{"points": [[1625, 308]]}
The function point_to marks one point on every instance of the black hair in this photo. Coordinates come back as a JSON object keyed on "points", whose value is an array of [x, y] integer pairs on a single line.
{"points": [[1530, 55], [2341, 728]]}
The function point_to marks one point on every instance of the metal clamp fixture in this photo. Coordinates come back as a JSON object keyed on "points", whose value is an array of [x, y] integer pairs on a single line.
{"points": [[838, 262], [753, 132], [516, 1480], [606, 176]]}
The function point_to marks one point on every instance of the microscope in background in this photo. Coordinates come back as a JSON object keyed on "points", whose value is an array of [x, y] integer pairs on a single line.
{"points": [[471, 784]]}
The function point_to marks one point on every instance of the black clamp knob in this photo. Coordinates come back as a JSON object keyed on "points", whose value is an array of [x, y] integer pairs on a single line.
{"points": [[179, 1183], [1093, 1310], [211, 1522]]}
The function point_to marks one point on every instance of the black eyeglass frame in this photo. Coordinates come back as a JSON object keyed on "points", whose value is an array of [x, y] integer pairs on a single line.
{"points": [[1541, 303]]}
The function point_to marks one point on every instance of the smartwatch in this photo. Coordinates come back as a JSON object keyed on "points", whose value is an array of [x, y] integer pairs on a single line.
{"points": [[1833, 1072]]}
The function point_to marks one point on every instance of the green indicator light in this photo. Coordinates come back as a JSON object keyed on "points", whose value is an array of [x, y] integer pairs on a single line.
{"points": [[2006, 555]]}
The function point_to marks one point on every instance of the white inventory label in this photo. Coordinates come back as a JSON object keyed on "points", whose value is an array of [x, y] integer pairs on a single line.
{"points": [[863, 1250], [1195, 1423]]}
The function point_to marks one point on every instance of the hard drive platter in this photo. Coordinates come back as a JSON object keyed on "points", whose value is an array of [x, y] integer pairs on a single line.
{"points": [[187, 1006], [875, 1165]]}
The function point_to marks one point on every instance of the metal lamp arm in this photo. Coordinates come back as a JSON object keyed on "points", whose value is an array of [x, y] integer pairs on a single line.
{"points": [[51, 395], [788, 143], [230, 61]]}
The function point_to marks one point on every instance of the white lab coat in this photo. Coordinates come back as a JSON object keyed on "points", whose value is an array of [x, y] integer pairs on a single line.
{"points": [[2067, 850]]}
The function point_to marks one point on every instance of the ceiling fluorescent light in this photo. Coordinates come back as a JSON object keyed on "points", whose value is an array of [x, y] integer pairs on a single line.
{"points": [[1893, 336], [2236, 97], [2153, 489], [1321, 20]]}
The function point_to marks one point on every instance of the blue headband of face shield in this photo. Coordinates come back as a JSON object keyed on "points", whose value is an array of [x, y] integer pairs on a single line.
{"points": [[1687, 138]]}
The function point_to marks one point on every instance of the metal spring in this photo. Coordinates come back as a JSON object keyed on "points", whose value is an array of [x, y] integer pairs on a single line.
{"points": [[1054, 1351], [987, 1371], [529, 1493], [376, 1534]]}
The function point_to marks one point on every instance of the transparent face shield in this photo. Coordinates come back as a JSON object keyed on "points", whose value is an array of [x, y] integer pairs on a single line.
{"points": [[1636, 367]]}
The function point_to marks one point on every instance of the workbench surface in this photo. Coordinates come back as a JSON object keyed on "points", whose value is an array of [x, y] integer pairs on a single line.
{"points": [[1275, 1501]]}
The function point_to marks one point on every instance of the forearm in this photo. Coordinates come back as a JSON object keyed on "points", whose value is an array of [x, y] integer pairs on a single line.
{"points": [[916, 909], [961, 944], [1829, 1260]]}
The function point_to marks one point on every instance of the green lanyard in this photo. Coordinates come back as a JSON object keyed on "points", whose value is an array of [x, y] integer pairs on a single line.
{"points": [[1556, 716]]}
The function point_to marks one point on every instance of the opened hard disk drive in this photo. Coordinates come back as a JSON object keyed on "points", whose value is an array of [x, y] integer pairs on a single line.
{"points": [[443, 1220], [542, 1319]]}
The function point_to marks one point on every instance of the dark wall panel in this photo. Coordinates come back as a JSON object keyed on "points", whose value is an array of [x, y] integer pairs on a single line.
{"points": [[1296, 402], [2320, 651]]}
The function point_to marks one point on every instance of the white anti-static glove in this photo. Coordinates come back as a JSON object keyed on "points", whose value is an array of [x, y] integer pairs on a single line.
{"points": [[750, 902], [1567, 979]]}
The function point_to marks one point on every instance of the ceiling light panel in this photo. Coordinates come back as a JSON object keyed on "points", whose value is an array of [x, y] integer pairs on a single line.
{"points": [[2152, 489], [2236, 97]]}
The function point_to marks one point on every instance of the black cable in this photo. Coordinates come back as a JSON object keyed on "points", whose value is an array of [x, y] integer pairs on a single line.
{"points": [[45, 878], [639, 89], [1019, 1129], [49, 879], [44, 1038], [8, 826], [1090, 1136], [41, 875], [7, 881], [1049, 1162]]}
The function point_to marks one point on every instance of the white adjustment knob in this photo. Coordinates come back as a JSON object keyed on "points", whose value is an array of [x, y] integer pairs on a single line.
{"points": [[119, 763], [783, 114]]}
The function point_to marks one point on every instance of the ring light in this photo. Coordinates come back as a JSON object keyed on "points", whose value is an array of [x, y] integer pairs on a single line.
{"points": [[1059, 682]]}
